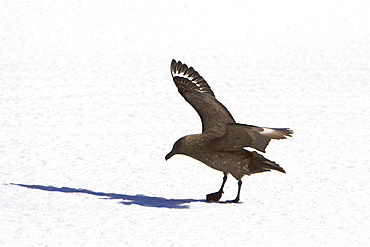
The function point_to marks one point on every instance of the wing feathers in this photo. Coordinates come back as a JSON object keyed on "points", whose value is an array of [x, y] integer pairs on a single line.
{"points": [[278, 133], [181, 70], [198, 94], [238, 136], [216, 118]]}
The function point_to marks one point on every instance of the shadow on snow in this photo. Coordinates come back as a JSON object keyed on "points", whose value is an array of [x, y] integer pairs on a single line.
{"points": [[142, 200]]}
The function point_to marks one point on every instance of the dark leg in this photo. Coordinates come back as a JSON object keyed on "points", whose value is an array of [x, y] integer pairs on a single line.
{"points": [[217, 195], [238, 196]]}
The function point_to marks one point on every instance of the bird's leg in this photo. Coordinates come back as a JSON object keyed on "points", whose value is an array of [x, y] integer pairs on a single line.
{"points": [[217, 195], [237, 197]]}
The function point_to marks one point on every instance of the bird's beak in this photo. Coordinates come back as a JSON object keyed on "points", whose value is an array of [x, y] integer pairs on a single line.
{"points": [[169, 155]]}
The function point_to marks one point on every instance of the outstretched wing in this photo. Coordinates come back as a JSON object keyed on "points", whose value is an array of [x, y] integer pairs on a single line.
{"points": [[238, 136], [199, 95]]}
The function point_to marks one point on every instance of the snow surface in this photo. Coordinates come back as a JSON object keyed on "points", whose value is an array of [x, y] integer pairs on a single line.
{"points": [[88, 110]]}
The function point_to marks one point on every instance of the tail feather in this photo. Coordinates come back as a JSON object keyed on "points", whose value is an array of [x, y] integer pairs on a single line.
{"points": [[258, 163]]}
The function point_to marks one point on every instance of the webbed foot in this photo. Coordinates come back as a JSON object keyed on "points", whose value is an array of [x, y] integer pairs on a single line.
{"points": [[236, 200], [214, 196]]}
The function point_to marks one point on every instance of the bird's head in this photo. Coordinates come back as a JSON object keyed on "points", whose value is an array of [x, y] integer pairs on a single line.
{"points": [[179, 147]]}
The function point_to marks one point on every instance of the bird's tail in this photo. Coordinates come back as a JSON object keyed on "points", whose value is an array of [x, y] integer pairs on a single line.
{"points": [[258, 163]]}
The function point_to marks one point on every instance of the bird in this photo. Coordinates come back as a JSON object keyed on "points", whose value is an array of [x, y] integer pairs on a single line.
{"points": [[222, 143]]}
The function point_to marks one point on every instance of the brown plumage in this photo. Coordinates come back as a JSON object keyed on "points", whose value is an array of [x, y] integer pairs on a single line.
{"points": [[222, 142]]}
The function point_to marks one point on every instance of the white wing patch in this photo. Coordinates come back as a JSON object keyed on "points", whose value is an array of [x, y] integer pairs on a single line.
{"points": [[181, 70], [276, 133]]}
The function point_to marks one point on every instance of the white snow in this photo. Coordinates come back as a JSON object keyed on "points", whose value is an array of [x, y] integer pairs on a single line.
{"points": [[88, 110]]}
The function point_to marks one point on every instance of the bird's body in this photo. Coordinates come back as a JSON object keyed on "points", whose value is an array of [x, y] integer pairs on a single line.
{"points": [[237, 163], [222, 141]]}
